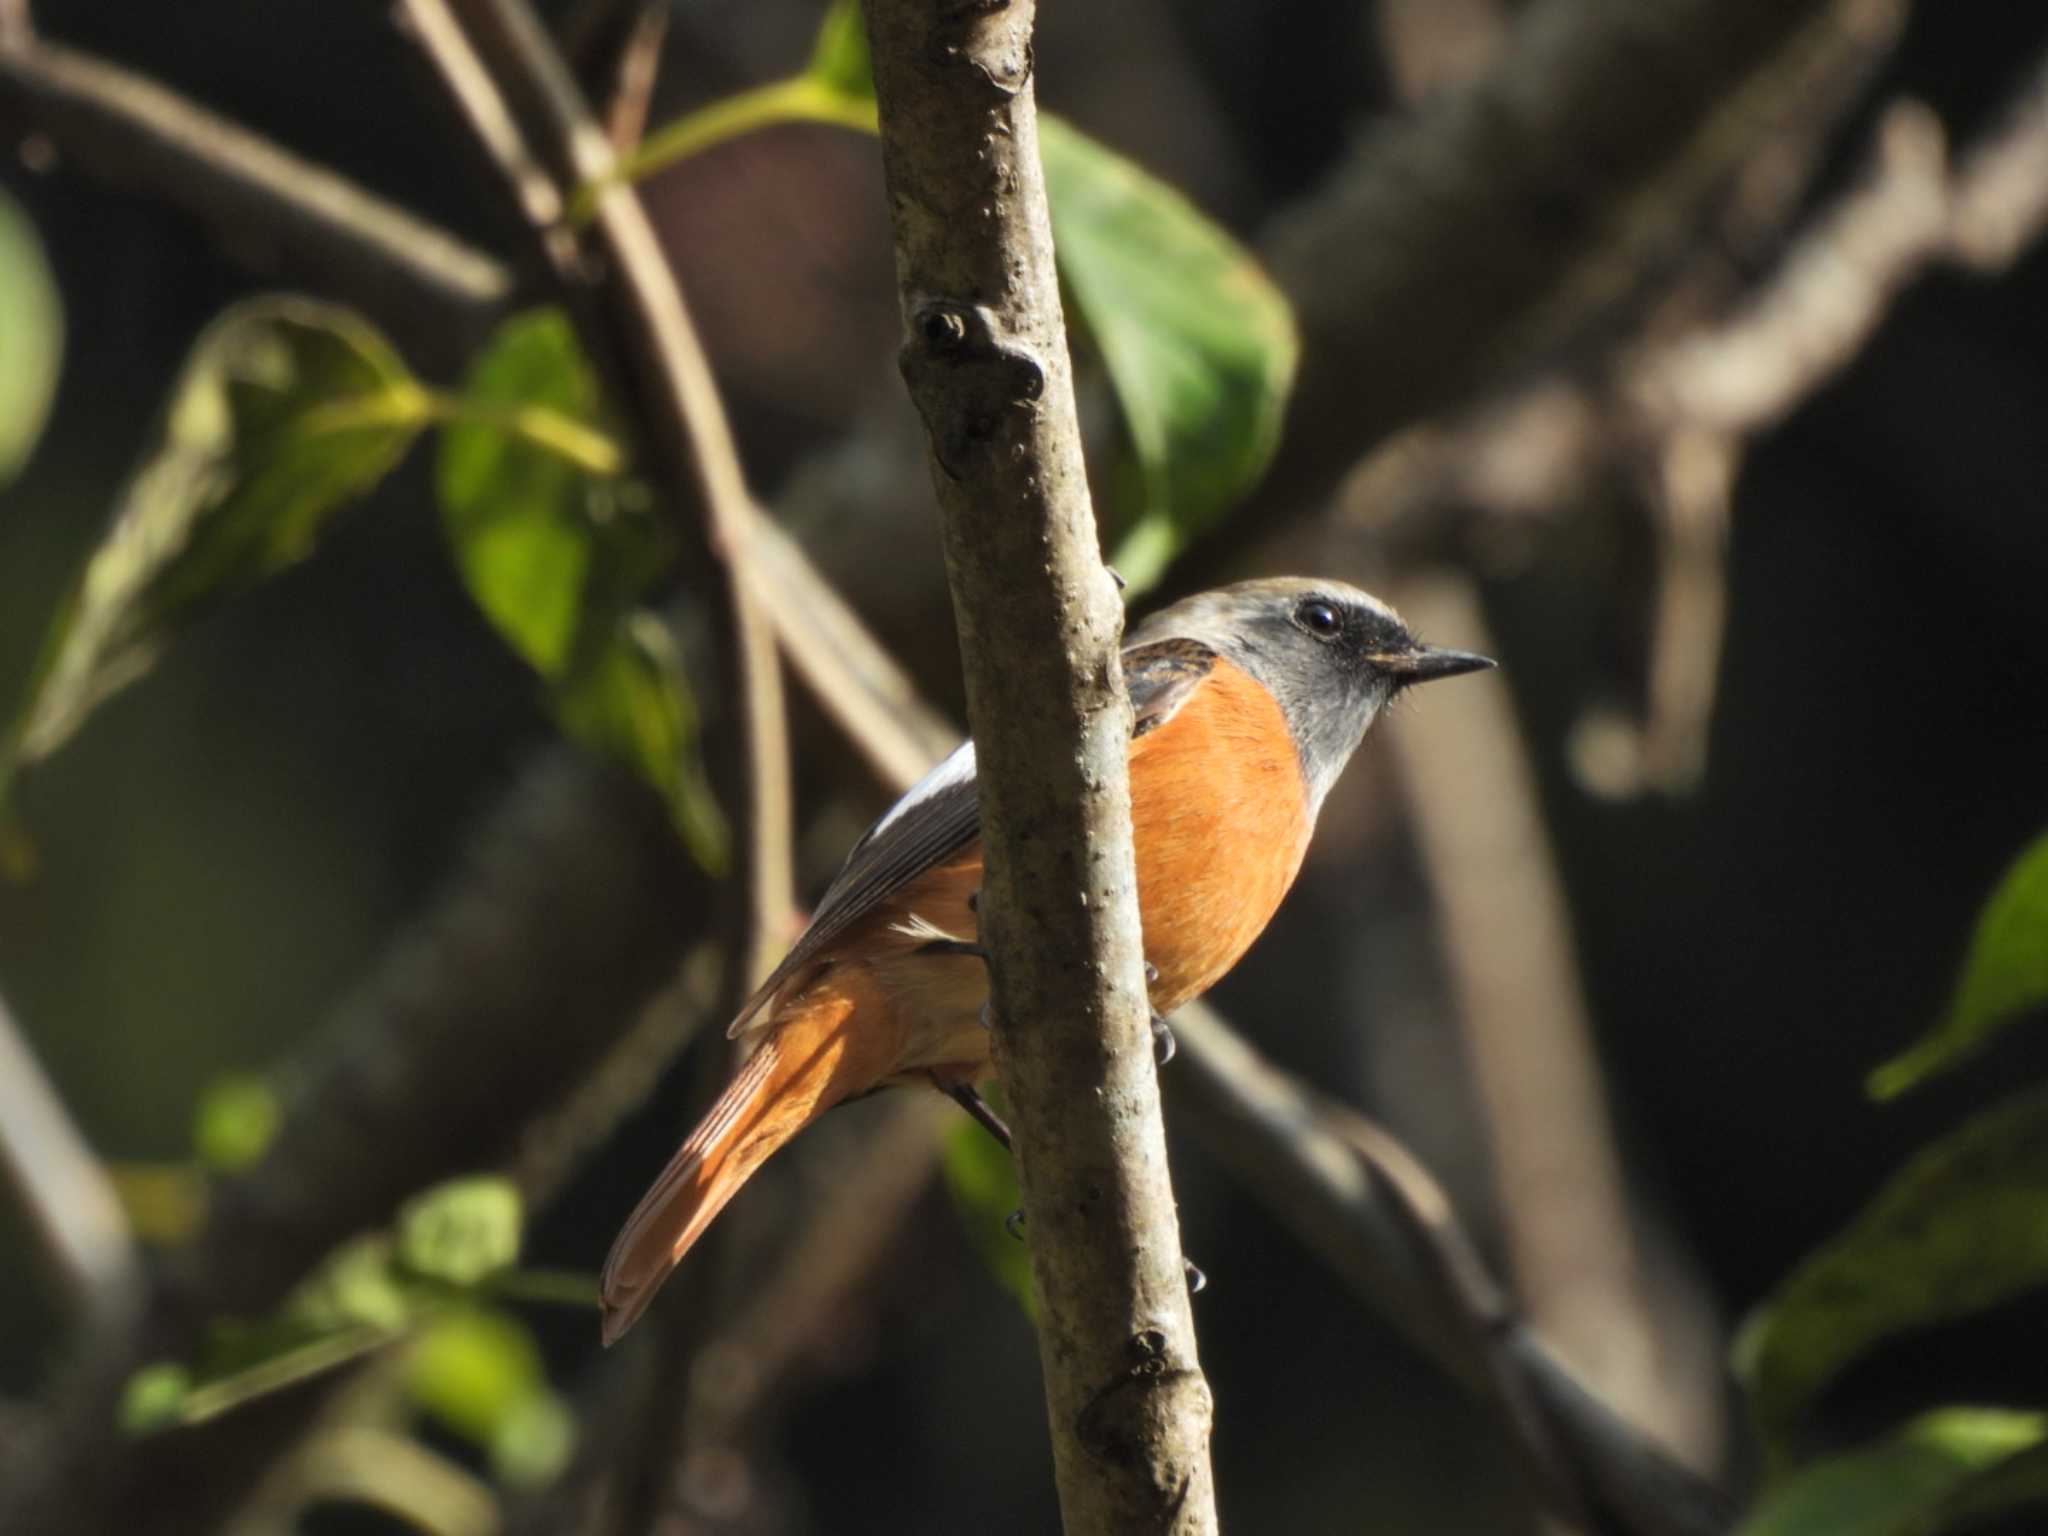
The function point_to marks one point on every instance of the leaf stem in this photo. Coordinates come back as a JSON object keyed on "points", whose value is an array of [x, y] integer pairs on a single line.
{"points": [[542, 426], [798, 99]]}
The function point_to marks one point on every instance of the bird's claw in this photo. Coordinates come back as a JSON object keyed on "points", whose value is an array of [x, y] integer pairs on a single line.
{"points": [[1164, 1046]]}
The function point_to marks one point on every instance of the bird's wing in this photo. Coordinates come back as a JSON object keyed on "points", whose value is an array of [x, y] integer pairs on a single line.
{"points": [[941, 814]]}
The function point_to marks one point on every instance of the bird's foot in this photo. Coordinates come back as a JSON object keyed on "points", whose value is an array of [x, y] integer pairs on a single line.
{"points": [[953, 947], [965, 1095]]}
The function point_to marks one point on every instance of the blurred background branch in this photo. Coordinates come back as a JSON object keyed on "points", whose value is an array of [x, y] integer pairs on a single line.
{"points": [[274, 210], [62, 1185]]}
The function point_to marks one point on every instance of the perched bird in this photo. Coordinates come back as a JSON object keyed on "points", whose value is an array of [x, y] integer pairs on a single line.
{"points": [[1248, 700]]}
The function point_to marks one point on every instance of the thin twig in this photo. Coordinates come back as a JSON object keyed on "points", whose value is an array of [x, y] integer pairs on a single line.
{"points": [[858, 683], [65, 1191], [1507, 939], [258, 196], [985, 357], [625, 115]]}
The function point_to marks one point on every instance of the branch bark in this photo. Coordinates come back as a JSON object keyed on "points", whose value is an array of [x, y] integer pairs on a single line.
{"points": [[985, 357]]}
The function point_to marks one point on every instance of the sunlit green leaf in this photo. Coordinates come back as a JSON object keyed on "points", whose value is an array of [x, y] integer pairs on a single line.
{"points": [[1199, 345], [839, 57], [450, 1243], [479, 1372], [534, 1441], [154, 1398], [2015, 1483], [558, 548], [523, 519], [286, 409], [633, 702], [462, 1231], [31, 337], [1904, 1486], [237, 1119], [1958, 1230], [356, 1286], [470, 1366], [2004, 977], [981, 1178]]}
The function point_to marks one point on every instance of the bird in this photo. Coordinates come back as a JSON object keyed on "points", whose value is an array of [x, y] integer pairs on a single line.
{"points": [[1247, 703]]}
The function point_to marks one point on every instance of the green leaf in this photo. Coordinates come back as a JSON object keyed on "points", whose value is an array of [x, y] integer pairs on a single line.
{"points": [[2004, 977], [1905, 1486], [522, 518], [839, 57], [31, 340], [1199, 345], [461, 1232], [154, 1398], [981, 1178], [558, 549], [633, 703], [357, 1286], [1960, 1229], [286, 409], [479, 1372], [237, 1119], [2018, 1482]]}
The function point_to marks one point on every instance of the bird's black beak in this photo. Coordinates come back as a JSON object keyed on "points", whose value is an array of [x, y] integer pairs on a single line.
{"points": [[1427, 663]]}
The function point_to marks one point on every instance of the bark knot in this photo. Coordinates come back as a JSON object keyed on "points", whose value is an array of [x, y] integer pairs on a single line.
{"points": [[966, 378], [1130, 1422]]}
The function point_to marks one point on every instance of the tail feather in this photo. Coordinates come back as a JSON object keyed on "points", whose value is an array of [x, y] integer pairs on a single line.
{"points": [[810, 1061]]}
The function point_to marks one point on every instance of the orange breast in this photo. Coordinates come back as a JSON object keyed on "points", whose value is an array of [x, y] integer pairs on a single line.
{"points": [[1220, 815], [1220, 812]]}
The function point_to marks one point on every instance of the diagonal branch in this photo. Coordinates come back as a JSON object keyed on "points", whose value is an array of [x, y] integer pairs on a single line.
{"points": [[62, 1186], [258, 197], [985, 356]]}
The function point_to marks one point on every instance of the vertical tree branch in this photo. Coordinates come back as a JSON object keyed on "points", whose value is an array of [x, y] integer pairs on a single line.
{"points": [[985, 357]]}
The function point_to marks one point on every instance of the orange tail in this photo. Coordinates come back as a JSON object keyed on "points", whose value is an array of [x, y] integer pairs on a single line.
{"points": [[825, 1050]]}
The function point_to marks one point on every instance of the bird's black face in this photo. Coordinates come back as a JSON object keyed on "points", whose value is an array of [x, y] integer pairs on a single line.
{"points": [[1330, 654]]}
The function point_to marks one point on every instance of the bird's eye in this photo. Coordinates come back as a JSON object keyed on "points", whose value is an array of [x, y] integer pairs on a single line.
{"points": [[1318, 618]]}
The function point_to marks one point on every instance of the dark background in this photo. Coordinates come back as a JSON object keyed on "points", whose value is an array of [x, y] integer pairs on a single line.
{"points": [[229, 844]]}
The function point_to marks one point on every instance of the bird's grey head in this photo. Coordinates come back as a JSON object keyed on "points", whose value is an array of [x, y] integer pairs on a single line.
{"points": [[1331, 655]]}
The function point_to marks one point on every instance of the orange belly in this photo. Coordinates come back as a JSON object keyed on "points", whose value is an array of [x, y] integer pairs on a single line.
{"points": [[1220, 812]]}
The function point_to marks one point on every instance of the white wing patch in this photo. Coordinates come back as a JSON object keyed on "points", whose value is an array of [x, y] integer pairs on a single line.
{"points": [[957, 768]]}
